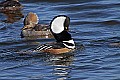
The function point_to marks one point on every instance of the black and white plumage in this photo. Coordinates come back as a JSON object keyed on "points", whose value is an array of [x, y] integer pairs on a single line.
{"points": [[50, 46], [58, 27], [64, 43]]}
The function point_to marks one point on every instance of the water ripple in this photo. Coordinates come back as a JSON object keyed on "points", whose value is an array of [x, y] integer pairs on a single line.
{"points": [[94, 28]]}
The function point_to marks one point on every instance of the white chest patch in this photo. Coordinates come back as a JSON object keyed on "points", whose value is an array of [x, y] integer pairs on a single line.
{"points": [[57, 25]]}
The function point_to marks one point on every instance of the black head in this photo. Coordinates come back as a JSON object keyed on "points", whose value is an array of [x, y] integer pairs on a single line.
{"points": [[59, 28], [60, 23]]}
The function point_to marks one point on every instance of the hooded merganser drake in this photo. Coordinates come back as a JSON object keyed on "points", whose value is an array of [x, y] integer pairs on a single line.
{"points": [[32, 28], [64, 43], [10, 5]]}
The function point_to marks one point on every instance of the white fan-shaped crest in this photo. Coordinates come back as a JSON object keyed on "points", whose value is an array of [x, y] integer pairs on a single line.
{"points": [[57, 25]]}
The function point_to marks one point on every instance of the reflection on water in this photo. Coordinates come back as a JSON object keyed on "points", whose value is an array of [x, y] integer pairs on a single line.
{"points": [[12, 16], [61, 65]]}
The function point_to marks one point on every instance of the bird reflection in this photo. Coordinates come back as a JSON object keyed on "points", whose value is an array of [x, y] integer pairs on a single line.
{"points": [[61, 64], [12, 16]]}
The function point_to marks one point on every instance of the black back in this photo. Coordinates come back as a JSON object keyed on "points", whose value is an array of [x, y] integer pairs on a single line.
{"points": [[63, 36]]}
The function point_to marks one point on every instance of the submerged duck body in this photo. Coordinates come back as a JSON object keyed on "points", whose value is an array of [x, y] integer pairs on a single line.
{"points": [[32, 28], [10, 5], [64, 42]]}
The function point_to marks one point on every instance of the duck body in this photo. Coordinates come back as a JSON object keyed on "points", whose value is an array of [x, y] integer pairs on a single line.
{"points": [[10, 5], [32, 28], [64, 42], [38, 30], [54, 48]]}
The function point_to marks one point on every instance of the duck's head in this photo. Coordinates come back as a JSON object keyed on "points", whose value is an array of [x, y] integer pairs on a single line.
{"points": [[30, 20], [60, 23], [59, 28]]}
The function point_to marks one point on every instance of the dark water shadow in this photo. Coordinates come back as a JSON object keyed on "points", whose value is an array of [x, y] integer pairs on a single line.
{"points": [[12, 16]]}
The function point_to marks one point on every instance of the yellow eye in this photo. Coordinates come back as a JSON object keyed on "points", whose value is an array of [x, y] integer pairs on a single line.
{"points": [[66, 28]]}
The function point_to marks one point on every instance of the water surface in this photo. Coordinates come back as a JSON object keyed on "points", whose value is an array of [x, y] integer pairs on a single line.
{"points": [[95, 24]]}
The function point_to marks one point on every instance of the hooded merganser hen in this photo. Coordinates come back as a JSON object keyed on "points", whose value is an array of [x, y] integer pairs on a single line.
{"points": [[64, 43], [32, 28], [10, 5]]}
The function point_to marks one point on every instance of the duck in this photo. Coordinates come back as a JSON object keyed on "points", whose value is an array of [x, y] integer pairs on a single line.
{"points": [[64, 42], [10, 5], [32, 28]]}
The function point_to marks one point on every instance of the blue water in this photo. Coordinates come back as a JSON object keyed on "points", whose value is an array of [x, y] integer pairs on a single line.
{"points": [[95, 27]]}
